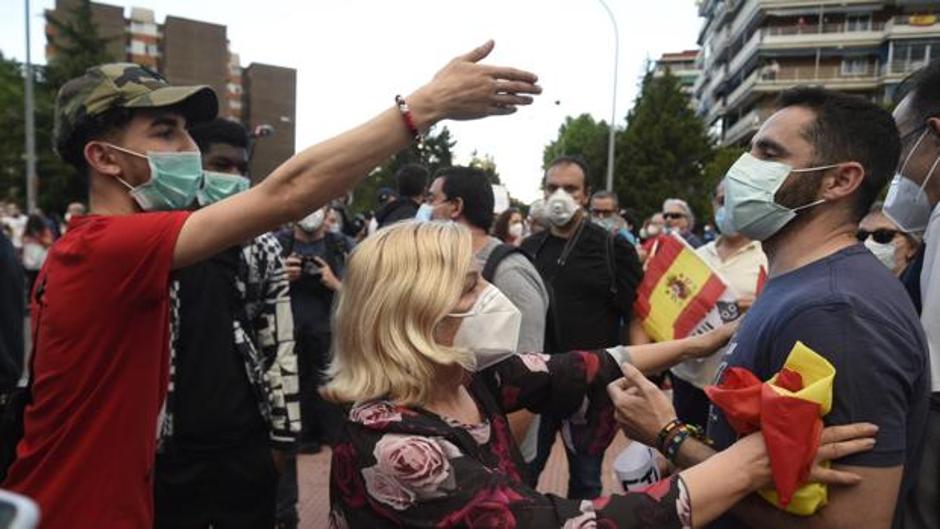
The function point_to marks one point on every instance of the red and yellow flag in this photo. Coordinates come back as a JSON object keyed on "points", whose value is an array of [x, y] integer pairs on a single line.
{"points": [[678, 291]]}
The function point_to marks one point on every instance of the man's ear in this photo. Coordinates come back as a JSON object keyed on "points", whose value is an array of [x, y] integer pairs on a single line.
{"points": [[101, 159], [843, 181], [458, 209]]}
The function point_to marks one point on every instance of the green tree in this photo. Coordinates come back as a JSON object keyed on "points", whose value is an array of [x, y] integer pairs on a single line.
{"points": [[582, 136], [77, 44], [58, 183], [664, 150], [436, 152], [487, 164], [78, 48]]}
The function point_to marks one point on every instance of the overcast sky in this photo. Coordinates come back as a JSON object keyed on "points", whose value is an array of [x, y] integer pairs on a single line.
{"points": [[353, 56]]}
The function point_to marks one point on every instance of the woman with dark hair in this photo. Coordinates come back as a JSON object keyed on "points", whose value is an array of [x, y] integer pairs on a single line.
{"points": [[509, 227], [37, 238]]}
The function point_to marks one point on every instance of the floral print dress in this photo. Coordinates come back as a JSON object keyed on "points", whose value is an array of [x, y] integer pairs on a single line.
{"points": [[408, 467]]}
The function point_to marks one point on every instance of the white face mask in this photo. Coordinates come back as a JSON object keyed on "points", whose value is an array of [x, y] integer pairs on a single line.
{"points": [[885, 252], [516, 230], [907, 204], [490, 329], [312, 222], [750, 187], [560, 207]]}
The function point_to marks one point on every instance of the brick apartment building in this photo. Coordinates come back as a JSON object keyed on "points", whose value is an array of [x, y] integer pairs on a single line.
{"points": [[195, 52]]}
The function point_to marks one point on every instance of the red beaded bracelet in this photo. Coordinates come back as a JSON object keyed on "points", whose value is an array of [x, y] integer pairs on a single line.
{"points": [[406, 115]]}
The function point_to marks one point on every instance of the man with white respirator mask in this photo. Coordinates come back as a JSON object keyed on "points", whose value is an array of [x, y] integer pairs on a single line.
{"points": [[592, 277]]}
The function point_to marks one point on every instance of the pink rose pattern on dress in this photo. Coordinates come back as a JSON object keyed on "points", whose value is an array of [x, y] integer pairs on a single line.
{"points": [[409, 468], [405, 467], [375, 414], [536, 362], [488, 509], [344, 476]]}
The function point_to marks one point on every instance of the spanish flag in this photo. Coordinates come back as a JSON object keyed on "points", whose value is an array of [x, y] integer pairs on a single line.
{"points": [[678, 291], [788, 411]]}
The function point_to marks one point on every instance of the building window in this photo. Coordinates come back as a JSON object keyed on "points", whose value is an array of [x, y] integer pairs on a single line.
{"points": [[144, 28], [858, 22], [909, 57], [855, 66], [138, 48]]}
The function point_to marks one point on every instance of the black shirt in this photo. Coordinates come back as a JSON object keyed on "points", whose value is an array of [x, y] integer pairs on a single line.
{"points": [[401, 209], [215, 405], [850, 309], [12, 313], [592, 292], [311, 301]]}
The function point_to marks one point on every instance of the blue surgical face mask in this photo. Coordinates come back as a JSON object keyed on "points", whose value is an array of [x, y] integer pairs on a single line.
{"points": [[750, 187], [723, 222], [219, 186], [424, 212], [175, 178]]}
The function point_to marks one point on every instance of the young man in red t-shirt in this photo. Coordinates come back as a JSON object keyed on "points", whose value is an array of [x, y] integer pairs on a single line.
{"points": [[100, 309]]}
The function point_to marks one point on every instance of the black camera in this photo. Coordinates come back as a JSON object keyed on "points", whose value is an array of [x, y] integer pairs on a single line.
{"points": [[309, 266]]}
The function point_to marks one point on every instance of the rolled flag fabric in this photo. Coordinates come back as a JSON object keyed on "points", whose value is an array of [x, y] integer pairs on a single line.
{"points": [[788, 411]]}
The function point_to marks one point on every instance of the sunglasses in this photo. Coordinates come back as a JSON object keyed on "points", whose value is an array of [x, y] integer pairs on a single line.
{"points": [[882, 236], [673, 216]]}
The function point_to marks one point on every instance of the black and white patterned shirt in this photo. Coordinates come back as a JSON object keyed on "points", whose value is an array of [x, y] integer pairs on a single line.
{"points": [[264, 338]]}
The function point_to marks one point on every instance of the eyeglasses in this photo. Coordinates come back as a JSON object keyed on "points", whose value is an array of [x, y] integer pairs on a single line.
{"points": [[673, 216], [882, 236]]}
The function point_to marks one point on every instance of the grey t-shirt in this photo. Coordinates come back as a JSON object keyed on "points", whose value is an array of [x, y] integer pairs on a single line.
{"points": [[517, 278]]}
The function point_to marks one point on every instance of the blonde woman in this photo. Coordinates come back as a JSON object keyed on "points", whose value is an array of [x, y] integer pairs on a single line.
{"points": [[426, 442]]}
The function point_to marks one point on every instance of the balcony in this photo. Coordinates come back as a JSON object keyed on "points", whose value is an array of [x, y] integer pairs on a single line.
{"points": [[746, 52], [834, 77], [914, 26], [743, 127], [900, 68], [833, 34]]}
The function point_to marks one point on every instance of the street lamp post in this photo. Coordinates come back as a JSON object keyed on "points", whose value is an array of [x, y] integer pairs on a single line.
{"points": [[31, 178], [613, 105]]}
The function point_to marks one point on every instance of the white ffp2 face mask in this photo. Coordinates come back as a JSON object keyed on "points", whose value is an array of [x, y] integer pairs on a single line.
{"points": [[885, 252], [560, 207], [907, 204], [490, 329]]}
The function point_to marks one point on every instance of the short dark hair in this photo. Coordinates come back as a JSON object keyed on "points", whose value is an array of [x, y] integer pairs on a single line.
{"points": [[567, 159], [412, 180], [72, 147], [219, 130], [475, 191], [924, 88], [606, 195], [850, 128]]}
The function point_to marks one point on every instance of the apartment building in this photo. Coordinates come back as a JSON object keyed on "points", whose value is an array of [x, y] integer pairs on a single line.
{"points": [[194, 52], [753, 49], [683, 65]]}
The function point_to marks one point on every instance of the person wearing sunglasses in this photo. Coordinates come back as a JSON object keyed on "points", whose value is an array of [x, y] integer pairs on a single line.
{"points": [[679, 217], [893, 247]]}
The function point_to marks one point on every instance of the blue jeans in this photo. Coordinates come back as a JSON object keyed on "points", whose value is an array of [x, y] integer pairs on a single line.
{"points": [[584, 471]]}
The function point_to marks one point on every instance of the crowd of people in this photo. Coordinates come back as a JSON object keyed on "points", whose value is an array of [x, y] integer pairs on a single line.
{"points": [[194, 329]]}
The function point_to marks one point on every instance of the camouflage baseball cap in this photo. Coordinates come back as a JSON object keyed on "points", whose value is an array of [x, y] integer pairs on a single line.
{"points": [[126, 85]]}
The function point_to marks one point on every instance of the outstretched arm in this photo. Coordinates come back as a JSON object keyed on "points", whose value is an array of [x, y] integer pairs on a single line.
{"points": [[463, 90]]}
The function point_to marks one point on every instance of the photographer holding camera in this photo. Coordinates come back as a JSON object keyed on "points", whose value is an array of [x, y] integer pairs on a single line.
{"points": [[315, 260]]}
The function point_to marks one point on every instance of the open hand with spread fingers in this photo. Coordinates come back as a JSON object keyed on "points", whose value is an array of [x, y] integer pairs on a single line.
{"points": [[465, 89]]}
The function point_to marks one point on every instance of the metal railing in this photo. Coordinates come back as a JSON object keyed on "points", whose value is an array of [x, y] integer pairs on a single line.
{"points": [[827, 28]]}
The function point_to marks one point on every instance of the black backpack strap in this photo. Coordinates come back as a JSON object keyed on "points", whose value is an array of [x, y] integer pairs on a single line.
{"points": [[496, 257], [611, 263]]}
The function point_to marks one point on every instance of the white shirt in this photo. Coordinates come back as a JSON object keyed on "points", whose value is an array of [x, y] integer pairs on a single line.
{"points": [[930, 295]]}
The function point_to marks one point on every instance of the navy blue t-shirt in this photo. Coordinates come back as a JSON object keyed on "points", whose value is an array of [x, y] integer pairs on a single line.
{"points": [[850, 309]]}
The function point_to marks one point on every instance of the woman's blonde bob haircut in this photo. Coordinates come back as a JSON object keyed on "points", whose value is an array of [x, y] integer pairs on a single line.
{"points": [[399, 284]]}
